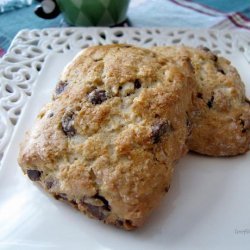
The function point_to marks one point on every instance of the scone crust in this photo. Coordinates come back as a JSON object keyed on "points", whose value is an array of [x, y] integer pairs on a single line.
{"points": [[109, 139], [221, 115]]}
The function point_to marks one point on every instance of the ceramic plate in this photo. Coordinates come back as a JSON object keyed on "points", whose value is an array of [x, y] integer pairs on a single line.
{"points": [[207, 206]]}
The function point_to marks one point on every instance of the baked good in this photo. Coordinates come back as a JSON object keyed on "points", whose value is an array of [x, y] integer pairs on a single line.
{"points": [[108, 141], [221, 116]]}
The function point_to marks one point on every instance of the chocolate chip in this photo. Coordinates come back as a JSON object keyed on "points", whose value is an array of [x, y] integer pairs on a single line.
{"points": [[73, 202], [34, 175], [242, 123], [137, 84], [105, 202], [97, 96], [97, 59], [60, 87], [210, 102], [68, 124], [206, 49], [49, 184], [214, 57], [199, 95], [221, 71], [61, 196], [119, 223], [51, 114], [95, 211], [99, 212], [167, 189], [129, 223], [245, 124], [159, 129]]}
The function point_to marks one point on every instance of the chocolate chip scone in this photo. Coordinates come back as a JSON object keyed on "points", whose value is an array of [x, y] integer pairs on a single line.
{"points": [[108, 141], [221, 115]]}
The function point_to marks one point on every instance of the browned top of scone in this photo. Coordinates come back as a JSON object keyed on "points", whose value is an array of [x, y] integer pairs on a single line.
{"points": [[115, 126], [221, 116]]}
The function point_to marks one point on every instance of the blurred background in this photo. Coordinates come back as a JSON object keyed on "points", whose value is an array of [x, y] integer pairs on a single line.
{"points": [[220, 14]]}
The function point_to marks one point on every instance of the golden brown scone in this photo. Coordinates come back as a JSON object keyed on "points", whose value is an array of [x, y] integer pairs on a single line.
{"points": [[109, 139], [221, 116]]}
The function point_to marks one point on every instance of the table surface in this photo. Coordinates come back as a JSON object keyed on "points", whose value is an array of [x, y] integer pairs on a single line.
{"points": [[220, 14]]}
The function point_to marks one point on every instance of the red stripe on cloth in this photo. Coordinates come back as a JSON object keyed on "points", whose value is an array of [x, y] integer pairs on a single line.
{"points": [[233, 17], [208, 7], [245, 18], [2, 52], [238, 23], [203, 11]]}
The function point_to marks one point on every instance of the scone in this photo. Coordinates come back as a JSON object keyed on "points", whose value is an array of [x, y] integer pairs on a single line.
{"points": [[108, 141], [221, 115]]}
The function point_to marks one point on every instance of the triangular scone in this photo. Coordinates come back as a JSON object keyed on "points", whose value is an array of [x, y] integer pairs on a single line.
{"points": [[221, 116], [109, 139]]}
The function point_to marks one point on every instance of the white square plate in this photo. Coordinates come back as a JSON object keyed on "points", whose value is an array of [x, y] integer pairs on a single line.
{"points": [[207, 207]]}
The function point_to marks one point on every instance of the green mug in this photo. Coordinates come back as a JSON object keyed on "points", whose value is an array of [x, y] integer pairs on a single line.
{"points": [[85, 12]]}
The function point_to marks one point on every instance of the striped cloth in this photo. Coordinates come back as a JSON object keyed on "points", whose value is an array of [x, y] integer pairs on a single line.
{"points": [[221, 14], [234, 13]]}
